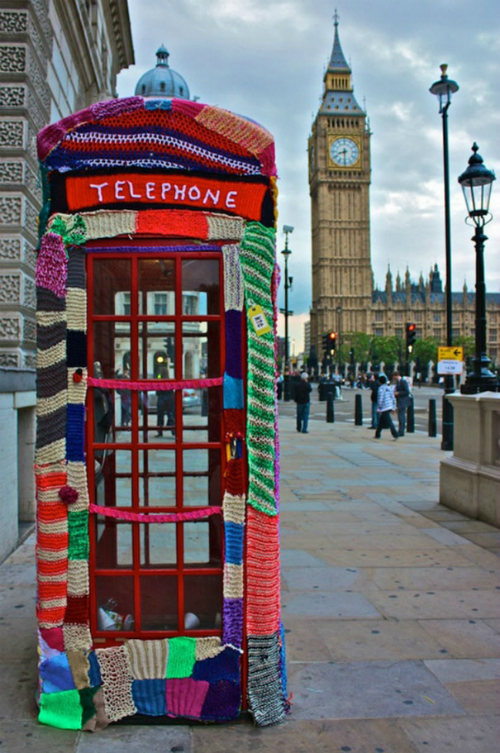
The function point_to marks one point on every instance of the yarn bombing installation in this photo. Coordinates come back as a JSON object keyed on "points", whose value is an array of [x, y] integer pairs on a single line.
{"points": [[157, 453]]}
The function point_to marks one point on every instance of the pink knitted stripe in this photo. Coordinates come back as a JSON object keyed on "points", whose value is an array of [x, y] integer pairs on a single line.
{"points": [[137, 517], [159, 385]]}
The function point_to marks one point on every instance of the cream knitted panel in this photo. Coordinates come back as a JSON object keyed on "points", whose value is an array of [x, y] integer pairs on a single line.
{"points": [[77, 479], [234, 294], [78, 577], [77, 637], [79, 665], [207, 648], [148, 659], [233, 508], [233, 581], [116, 682], [76, 307], [221, 227]]}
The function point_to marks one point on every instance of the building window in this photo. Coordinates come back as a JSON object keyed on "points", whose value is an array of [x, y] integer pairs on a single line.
{"points": [[378, 332], [436, 318], [417, 316], [399, 332], [126, 304], [189, 305], [160, 304], [398, 316], [436, 334], [492, 336], [455, 334], [379, 316]]}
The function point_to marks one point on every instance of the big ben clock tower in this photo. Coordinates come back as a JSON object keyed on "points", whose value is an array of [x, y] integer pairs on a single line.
{"points": [[339, 182]]}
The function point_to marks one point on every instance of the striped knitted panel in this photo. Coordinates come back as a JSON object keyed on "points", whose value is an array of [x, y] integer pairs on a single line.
{"points": [[263, 574], [257, 261], [265, 693], [148, 659], [236, 128], [207, 648], [234, 296]]}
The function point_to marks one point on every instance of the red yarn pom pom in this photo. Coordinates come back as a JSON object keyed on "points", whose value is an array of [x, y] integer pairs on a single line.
{"points": [[78, 375], [68, 494]]}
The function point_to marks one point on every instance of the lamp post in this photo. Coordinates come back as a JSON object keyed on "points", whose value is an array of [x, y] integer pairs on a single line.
{"points": [[443, 89], [339, 322], [476, 182], [287, 229]]}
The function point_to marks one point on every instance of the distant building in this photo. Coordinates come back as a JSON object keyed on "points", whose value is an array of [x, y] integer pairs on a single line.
{"points": [[343, 294], [56, 57]]}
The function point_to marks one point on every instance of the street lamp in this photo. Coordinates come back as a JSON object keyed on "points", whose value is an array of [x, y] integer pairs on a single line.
{"points": [[287, 229], [339, 322], [476, 182], [443, 89]]}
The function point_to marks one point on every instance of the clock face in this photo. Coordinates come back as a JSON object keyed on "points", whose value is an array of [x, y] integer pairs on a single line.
{"points": [[344, 152]]}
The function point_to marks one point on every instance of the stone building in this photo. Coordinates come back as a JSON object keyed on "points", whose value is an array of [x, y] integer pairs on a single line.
{"points": [[343, 295], [56, 57]]}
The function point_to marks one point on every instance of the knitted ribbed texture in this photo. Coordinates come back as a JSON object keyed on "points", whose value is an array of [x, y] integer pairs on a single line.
{"points": [[263, 573], [51, 265], [55, 674], [257, 261], [232, 621], [245, 132], [77, 391], [185, 697], [117, 682], [78, 577], [80, 666], [76, 304], [150, 697], [181, 657], [62, 710], [233, 508], [225, 666], [77, 479], [78, 544], [222, 702], [234, 295], [225, 228], [265, 694], [207, 648], [108, 224], [148, 659], [233, 537], [233, 581]]}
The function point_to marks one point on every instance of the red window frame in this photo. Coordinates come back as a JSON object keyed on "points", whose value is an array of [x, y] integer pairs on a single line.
{"points": [[171, 251]]}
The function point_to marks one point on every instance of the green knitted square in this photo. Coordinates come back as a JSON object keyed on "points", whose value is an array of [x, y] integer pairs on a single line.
{"points": [[87, 701], [62, 710], [181, 657], [78, 530]]}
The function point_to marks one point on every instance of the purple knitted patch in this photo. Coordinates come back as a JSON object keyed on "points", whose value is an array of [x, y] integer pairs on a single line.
{"points": [[233, 344], [222, 701], [52, 265], [232, 621], [224, 666]]}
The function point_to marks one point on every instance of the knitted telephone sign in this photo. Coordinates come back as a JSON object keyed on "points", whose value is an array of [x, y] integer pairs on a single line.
{"points": [[198, 180]]}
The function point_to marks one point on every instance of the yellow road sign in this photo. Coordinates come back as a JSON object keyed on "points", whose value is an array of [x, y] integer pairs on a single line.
{"points": [[455, 353]]}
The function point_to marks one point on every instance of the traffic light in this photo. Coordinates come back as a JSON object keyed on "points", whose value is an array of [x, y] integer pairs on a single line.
{"points": [[332, 342], [411, 336], [325, 341]]}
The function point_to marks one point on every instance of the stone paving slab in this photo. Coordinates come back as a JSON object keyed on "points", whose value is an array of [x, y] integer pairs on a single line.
{"points": [[464, 639], [422, 605], [336, 606], [432, 578], [133, 739], [477, 697], [462, 670], [368, 690], [27, 736], [462, 735]]}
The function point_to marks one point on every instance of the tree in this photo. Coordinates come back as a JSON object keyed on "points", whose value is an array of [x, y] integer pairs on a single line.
{"points": [[388, 350], [425, 350], [360, 343], [467, 343]]}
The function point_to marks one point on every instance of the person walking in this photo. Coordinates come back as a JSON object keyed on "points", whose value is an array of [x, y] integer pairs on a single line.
{"points": [[403, 398], [373, 384], [302, 397], [386, 403]]}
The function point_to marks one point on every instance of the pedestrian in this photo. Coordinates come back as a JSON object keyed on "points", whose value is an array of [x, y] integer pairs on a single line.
{"points": [[126, 400], [403, 399], [302, 397], [373, 384], [386, 403], [165, 406], [279, 386]]}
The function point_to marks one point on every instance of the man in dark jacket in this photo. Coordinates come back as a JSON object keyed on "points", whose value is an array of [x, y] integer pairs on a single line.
{"points": [[374, 384], [302, 397], [402, 395]]}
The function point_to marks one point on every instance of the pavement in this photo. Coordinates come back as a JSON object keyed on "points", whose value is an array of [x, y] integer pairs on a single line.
{"points": [[391, 607]]}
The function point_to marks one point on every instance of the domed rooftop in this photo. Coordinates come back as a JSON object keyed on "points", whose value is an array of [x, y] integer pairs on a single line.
{"points": [[162, 81]]}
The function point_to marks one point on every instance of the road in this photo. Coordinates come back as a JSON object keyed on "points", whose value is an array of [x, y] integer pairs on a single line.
{"points": [[344, 409]]}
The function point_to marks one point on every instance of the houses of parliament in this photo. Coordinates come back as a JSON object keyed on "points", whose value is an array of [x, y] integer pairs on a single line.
{"points": [[343, 294]]}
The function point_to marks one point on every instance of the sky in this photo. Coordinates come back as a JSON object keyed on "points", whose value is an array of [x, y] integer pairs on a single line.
{"points": [[266, 58]]}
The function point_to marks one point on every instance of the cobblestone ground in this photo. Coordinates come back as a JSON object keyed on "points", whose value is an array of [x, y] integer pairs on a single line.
{"points": [[391, 606]]}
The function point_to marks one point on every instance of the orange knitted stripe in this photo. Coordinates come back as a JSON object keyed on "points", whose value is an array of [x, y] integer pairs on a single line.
{"points": [[50, 481], [48, 567], [52, 541], [52, 512], [262, 573], [48, 591], [172, 223]]}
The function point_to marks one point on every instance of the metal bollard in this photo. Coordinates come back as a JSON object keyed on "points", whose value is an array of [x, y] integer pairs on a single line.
{"points": [[330, 408], [358, 411], [432, 418], [411, 417]]}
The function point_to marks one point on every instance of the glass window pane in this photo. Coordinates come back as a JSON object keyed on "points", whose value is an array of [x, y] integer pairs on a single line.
{"points": [[203, 542], [157, 419], [203, 601], [157, 478], [156, 353], [112, 286], [159, 602], [111, 350], [115, 602], [201, 351], [201, 477], [158, 545], [200, 282], [201, 415], [114, 544], [156, 281], [113, 479]]}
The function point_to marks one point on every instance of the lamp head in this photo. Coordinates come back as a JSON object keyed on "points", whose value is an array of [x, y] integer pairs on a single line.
{"points": [[444, 88], [476, 182]]}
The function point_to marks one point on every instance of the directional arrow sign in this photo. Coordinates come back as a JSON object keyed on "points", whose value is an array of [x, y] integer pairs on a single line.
{"points": [[450, 354], [450, 367]]}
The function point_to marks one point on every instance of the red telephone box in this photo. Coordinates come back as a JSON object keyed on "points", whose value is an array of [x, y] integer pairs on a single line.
{"points": [[157, 450]]}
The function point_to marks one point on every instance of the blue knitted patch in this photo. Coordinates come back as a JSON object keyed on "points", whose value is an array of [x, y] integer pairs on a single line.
{"points": [[233, 393], [233, 543], [75, 437], [56, 674], [224, 666], [157, 104], [150, 696], [94, 671]]}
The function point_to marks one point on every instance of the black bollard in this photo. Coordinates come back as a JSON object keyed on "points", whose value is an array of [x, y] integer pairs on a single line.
{"points": [[411, 417], [432, 418], [330, 408], [358, 411]]}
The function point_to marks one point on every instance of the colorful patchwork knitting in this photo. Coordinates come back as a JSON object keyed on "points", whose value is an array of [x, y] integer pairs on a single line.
{"points": [[191, 179]]}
